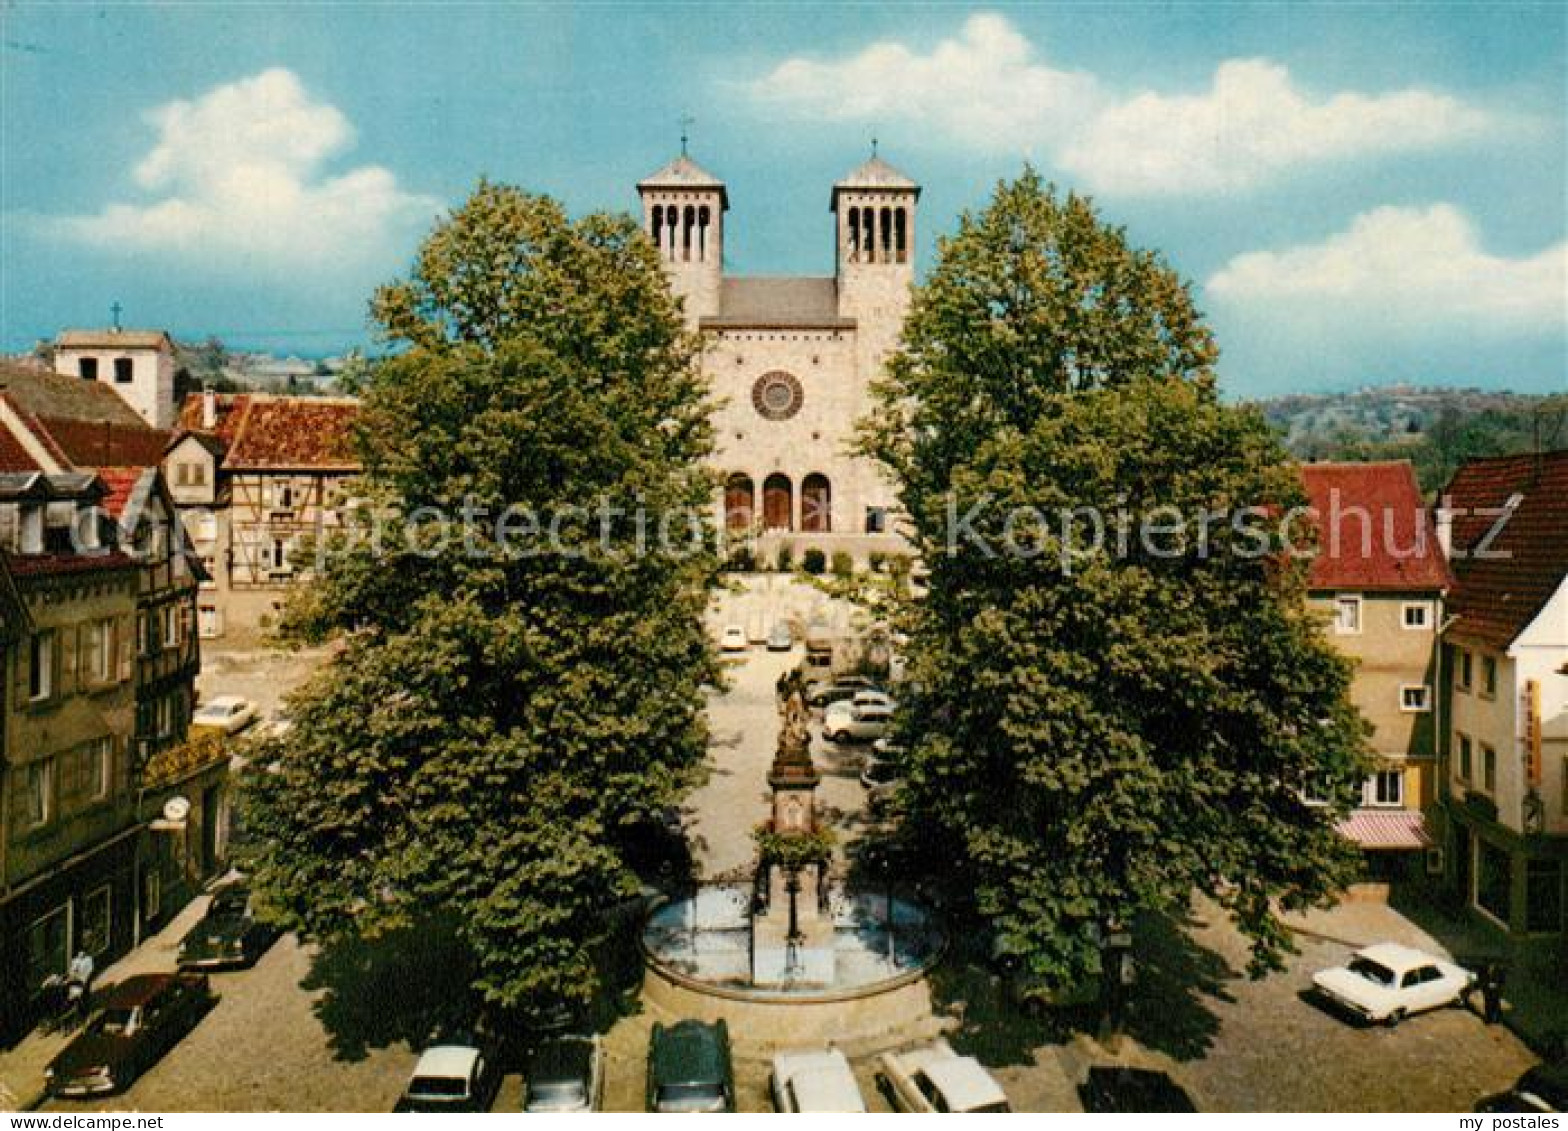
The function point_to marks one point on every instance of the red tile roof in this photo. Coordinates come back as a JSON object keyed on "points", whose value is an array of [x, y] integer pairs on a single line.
{"points": [[1508, 567], [100, 444], [13, 456], [119, 482], [35, 565], [1374, 532]]}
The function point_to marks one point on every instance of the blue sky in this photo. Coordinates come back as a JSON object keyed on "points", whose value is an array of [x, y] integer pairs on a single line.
{"points": [[1360, 193]]}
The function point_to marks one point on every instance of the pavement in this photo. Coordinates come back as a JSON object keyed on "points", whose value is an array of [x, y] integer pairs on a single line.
{"points": [[293, 1034]]}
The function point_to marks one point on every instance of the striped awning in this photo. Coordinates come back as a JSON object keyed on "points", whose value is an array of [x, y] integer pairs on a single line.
{"points": [[1386, 829]]}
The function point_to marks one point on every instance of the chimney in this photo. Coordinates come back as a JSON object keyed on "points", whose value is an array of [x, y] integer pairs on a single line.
{"points": [[209, 408]]}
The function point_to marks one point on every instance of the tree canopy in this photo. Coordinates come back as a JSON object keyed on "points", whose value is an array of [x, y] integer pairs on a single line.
{"points": [[510, 705], [1107, 721]]}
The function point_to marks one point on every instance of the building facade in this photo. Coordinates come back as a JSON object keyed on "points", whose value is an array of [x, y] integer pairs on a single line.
{"points": [[254, 478], [1505, 658], [1379, 579], [139, 365], [791, 360]]}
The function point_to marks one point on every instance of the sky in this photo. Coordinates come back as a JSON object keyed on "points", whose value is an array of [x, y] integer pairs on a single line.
{"points": [[1359, 194]]}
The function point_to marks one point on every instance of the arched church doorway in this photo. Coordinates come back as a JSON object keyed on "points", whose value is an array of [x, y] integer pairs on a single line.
{"points": [[740, 501], [816, 504], [778, 502]]}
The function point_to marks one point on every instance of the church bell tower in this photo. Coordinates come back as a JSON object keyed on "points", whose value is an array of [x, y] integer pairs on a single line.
{"points": [[683, 208]]}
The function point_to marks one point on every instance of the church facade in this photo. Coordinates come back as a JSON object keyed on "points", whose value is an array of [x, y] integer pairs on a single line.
{"points": [[791, 359]]}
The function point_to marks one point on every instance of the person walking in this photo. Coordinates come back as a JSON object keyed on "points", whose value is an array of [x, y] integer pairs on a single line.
{"points": [[79, 983]]}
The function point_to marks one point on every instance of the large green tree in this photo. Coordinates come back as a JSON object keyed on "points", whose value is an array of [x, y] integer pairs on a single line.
{"points": [[1111, 716], [514, 696]]}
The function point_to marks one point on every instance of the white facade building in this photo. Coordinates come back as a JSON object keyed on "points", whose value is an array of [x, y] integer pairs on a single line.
{"points": [[792, 359], [137, 364]]}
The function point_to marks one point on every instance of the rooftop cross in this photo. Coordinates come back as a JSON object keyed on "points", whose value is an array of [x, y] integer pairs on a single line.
{"points": [[115, 310], [687, 121]]}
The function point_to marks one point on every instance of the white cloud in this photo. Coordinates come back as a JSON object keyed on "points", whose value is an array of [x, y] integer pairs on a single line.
{"points": [[1400, 269], [984, 88], [238, 178], [988, 90], [1250, 125]]}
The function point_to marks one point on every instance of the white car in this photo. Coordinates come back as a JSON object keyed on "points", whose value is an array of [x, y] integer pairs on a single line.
{"points": [[815, 1081], [733, 639], [226, 714], [450, 1078], [1389, 982], [845, 722], [937, 1079]]}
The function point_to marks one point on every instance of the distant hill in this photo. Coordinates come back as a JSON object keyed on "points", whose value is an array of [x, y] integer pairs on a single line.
{"points": [[1436, 429]]}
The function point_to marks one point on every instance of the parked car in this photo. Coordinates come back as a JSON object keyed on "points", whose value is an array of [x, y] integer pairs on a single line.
{"points": [[689, 1068], [733, 639], [1114, 1088], [1543, 1088], [454, 1075], [814, 1081], [229, 934], [1388, 982], [141, 1018], [564, 1074], [225, 714], [846, 722], [780, 637], [937, 1079], [836, 690]]}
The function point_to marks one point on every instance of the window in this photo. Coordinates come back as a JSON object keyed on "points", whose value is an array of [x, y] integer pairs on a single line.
{"points": [[206, 527], [1316, 793], [171, 626], [124, 370], [1385, 790], [48, 945], [1493, 878], [278, 556], [1464, 670], [1489, 676], [99, 758], [87, 368], [876, 520], [97, 651], [94, 935], [1543, 907], [152, 893], [1415, 697], [40, 667], [37, 796], [1466, 767], [1417, 614], [198, 474], [209, 621], [1347, 614], [1488, 768]]}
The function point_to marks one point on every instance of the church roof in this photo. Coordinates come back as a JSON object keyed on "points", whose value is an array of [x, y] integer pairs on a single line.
{"points": [[794, 302], [875, 174], [683, 172]]}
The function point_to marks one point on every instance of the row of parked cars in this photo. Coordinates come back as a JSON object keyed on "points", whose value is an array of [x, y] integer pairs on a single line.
{"points": [[141, 1018]]}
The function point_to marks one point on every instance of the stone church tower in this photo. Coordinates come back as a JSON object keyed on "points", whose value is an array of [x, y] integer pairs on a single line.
{"points": [[792, 358]]}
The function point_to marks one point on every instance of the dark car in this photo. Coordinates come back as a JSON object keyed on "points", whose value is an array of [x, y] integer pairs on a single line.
{"points": [[564, 1074], [1117, 1089], [1543, 1088], [229, 934], [689, 1068], [141, 1019]]}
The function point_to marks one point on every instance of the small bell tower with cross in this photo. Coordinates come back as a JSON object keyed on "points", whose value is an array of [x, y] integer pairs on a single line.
{"points": [[683, 208]]}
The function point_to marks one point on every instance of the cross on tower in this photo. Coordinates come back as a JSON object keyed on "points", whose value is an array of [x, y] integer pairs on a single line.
{"points": [[687, 121], [114, 310]]}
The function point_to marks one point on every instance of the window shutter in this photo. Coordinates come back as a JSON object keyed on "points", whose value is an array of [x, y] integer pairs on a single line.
{"points": [[65, 649], [122, 643]]}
